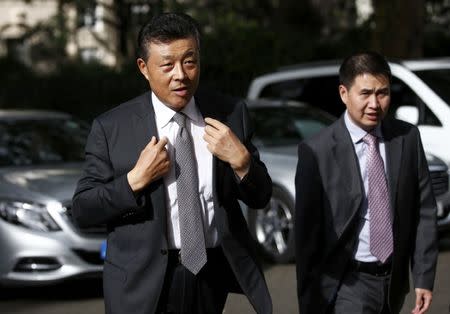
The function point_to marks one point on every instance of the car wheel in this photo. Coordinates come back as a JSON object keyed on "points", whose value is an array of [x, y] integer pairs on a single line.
{"points": [[273, 227]]}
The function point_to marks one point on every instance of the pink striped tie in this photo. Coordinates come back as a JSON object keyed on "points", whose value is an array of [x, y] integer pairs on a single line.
{"points": [[381, 238]]}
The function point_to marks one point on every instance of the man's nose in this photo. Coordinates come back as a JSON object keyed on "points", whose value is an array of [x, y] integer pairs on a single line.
{"points": [[179, 73], [373, 101]]}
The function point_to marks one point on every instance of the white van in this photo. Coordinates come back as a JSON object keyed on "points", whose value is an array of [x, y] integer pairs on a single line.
{"points": [[420, 94]]}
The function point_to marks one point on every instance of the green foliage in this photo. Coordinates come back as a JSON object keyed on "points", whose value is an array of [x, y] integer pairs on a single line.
{"points": [[233, 52], [84, 90], [242, 39]]}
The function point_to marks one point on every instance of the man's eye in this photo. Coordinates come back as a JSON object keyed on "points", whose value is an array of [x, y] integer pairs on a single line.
{"points": [[382, 94]]}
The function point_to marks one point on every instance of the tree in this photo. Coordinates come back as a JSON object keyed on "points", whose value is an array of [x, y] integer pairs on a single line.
{"points": [[399, 27]]}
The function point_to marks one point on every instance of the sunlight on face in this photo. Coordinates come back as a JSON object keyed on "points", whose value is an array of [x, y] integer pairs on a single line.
{"points": [[172, 70], [367, 100]]}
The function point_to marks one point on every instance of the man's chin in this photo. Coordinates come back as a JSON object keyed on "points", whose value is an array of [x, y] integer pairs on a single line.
{"points": [[369, 125], [178, 104], [373, 121]]}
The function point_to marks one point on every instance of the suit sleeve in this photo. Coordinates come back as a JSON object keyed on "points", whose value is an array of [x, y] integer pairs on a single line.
{"points": [[424, 258], [99, 196], [255, 189], [308, 225]]}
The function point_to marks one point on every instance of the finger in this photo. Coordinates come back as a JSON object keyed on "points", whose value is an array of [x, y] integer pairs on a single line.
{"points": [[212, 131], [419, 302], [209, 139], [426, 304], [162, 142], [210, 148], [152, 142], [163, 167], [215, 123], [164, 155]]}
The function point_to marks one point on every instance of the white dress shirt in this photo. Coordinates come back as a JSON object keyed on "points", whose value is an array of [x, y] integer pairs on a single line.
{"points": [[195, 124], [356, 133]]}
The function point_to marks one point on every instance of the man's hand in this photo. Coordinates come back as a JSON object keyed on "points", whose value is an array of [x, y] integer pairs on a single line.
{"points": [[152, 164], [224, 144], [423, 301]]}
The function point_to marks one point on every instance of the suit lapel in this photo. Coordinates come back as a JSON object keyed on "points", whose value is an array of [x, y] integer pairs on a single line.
{"points": [[394, 147], [346, 199], [144, 126], [144, 122], [208, 109]]}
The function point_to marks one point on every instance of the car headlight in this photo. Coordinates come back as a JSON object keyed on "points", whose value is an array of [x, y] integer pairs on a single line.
{"points": [[29, 215]]}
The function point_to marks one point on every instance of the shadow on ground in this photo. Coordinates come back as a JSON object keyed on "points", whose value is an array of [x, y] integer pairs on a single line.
{"points": [[444, 241], [70, 290]]}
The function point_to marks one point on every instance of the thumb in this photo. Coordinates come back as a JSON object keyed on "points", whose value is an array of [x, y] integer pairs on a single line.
{"points": [[152, 142], [419, 302]]}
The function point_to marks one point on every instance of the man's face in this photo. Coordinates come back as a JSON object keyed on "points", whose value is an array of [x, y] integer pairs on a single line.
{"points": [[367, 100], [172, 70]]}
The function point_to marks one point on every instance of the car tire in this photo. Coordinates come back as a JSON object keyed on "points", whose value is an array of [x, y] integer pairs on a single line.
{"points": [[273, 227]]}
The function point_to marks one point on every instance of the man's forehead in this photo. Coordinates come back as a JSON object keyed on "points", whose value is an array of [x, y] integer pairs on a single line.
{"points": [[173, 47], [172, 42], [371, 80]]}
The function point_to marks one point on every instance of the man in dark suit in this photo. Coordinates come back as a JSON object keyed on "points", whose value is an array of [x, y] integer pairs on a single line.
{"points": [[165, 172], [365, 209]]}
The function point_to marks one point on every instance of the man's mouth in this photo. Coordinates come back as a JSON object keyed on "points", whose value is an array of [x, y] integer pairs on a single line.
{"points": [[181, 91], [372, 116]]}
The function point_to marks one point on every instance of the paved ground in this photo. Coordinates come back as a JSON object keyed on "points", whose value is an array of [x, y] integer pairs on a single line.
{"points": [[85, 297]]}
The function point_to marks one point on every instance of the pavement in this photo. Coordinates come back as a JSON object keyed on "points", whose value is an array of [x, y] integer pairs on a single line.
{"points": [[86, 296]]}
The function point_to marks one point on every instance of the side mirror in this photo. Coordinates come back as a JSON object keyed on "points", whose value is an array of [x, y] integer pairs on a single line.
{"points": [[408, 113]]}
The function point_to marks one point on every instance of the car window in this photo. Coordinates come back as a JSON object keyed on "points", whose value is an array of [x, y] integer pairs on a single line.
{"points": [[319, 92], [322, 92], [288, 89], [41, 141], [279, 126], [437, 80], [403, 95], [308, 127]]}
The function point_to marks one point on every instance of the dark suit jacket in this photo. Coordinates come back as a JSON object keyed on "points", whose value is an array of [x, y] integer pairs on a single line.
{"points": [[329, 192], [136, 256]]}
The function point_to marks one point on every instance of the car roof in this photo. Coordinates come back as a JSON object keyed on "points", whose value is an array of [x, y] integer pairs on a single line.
{"points": [[280, 103], [331, 68], [266, 102], [31, 114], [307, 65], [427, 64], [412, 64]]}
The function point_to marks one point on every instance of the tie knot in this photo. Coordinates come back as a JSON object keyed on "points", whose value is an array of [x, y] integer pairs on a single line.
{"points": [[370, 139], [180, 119]]}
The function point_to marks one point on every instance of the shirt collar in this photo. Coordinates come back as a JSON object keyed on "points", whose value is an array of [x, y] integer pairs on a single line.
{"points": [[356, 133], [164, 114]]}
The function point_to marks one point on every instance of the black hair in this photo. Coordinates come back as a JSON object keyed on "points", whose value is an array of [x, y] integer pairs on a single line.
{"points": [[360, 63], [164, 28]]}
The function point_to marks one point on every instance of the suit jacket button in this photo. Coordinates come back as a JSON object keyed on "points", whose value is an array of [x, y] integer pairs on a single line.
{"points": [[163, 252]]}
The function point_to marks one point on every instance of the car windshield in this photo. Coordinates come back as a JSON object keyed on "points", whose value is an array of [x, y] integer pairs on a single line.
{"points": [[29, 141], [279, 126], [438, 80]]}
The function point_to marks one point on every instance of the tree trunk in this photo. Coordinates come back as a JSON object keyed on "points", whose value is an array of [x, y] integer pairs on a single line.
{"points": [[399, 27]]}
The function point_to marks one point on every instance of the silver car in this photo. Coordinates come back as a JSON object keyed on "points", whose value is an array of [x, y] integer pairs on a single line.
{"points": [[279, 127], [40, 163]]}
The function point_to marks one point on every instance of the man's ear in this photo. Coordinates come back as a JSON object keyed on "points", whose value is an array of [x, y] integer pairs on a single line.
{"points": [[343, 92], [142, 67]]}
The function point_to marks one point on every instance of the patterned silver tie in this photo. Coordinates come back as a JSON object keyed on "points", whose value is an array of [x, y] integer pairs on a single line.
{"points": [[193, 252], [381, 238]]}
